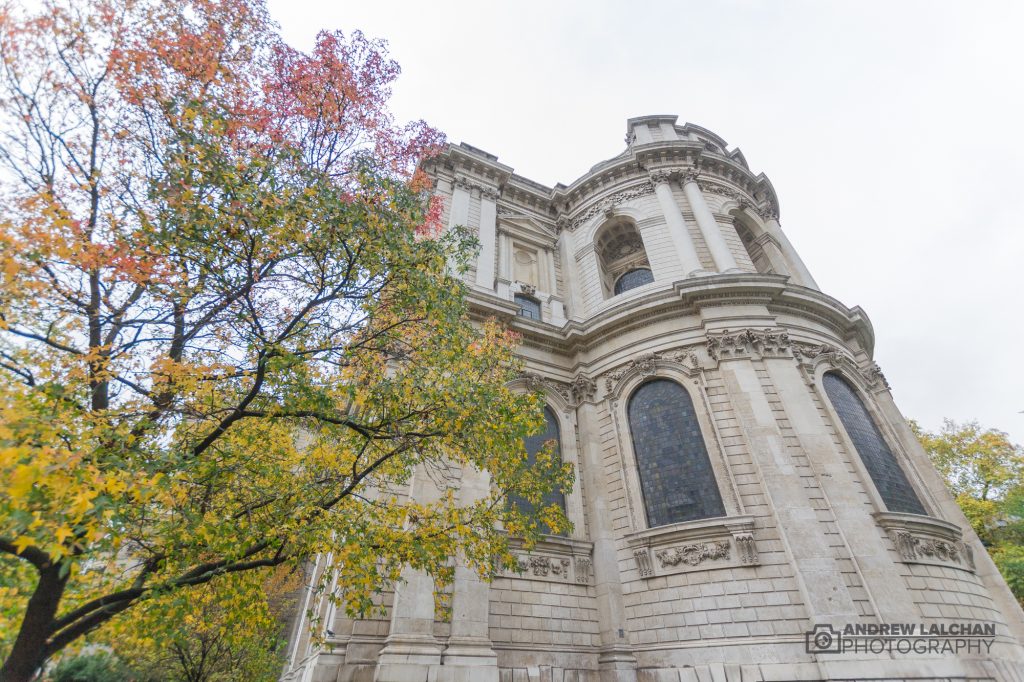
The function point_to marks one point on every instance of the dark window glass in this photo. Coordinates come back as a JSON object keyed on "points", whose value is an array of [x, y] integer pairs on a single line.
{"points": [[528, 307], [533, 445], [885, 471], [675, 471], [633, 279]]}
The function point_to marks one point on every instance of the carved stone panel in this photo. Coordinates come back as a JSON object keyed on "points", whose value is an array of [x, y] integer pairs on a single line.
{"points": [[697, 545], [555, 559], [926, 540]]}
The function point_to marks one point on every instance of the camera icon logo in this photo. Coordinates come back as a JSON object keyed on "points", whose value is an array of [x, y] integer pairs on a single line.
{"points": [[824, 639]]}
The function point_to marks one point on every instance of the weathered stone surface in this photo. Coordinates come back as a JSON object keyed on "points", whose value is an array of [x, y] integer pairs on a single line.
{"points": [[735, 318]]}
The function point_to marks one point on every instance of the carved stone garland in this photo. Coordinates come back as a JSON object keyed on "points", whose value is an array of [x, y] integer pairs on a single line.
{"points": [[645, 365], [809, 355], [580, 390], [608, 204]]}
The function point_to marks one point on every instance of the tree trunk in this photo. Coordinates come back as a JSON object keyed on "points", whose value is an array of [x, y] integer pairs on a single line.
{"points": [[29, 651]]}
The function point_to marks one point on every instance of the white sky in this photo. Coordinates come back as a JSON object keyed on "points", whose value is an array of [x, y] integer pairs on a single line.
{"points": [[892, 132]]}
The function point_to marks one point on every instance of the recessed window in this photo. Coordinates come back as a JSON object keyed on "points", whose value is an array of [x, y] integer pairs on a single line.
{"points": [[622, 257], [633, 279], [889, 479], [528, 307], [676, 477], [533, 446]]}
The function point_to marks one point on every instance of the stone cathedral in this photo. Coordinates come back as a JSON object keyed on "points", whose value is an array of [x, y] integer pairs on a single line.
{"points": [[750, 504]]}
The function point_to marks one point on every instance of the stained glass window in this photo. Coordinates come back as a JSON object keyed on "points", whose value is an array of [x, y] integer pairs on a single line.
{"points": [[533, 446], [675, 471], [633, 279], [885, 471]]}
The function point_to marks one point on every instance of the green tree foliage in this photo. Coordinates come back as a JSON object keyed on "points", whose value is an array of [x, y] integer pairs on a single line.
{"points": [[985, 472], [229, 328]]}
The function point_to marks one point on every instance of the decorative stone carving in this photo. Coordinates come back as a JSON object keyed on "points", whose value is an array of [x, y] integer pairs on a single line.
{"points": [[913, 548], [684, 357], [747, 549], [582, 388], [543, 565], [643, 561], [643, 365], [873, 375], [926, 540], [554, 559], [583, 570], [809, 354], [663, 175], [609, 203], [694, 554], [748, 342], [527, 289], [469, 185], [705, 544]]}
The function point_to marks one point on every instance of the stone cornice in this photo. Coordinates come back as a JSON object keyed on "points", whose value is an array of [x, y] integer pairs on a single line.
{"points": [[685, 297]]}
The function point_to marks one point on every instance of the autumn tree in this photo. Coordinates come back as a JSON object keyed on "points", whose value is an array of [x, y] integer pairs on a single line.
{"points": [[984, 470], [230, 329]]}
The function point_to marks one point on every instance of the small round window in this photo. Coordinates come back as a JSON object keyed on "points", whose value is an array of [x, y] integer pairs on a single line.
{"points": [[633, 279]]}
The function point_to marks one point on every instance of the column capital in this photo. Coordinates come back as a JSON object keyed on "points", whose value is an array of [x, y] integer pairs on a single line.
{"points": [[662, 176]]}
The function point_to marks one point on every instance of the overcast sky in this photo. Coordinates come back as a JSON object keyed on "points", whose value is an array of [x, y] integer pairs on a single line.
{"points": [[892, 132]]}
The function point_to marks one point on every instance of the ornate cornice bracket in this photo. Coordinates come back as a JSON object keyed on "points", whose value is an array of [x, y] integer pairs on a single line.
{"points": [[748, 343]]}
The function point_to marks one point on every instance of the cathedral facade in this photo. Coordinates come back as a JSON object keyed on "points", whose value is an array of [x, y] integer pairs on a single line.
{"points": [[749, 503]]}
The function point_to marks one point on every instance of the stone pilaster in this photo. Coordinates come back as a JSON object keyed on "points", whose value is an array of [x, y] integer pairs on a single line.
{"points": [[616, 660], [469, 645]]}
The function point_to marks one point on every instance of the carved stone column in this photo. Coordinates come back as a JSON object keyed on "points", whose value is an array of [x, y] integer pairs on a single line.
{"points": [[720, 253], [676, 225], [796, 264]]}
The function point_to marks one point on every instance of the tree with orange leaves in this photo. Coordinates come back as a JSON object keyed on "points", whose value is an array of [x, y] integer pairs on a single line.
{"points": [[229, 330]]}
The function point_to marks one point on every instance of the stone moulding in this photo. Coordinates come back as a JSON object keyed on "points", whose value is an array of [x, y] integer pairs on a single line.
{"points": [[808, 355], [554, 559], [722, 542], [926, 540]]}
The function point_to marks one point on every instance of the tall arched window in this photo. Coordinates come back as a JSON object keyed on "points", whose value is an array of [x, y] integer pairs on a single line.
{"points": [[622, 256], [889, 479], [675, 472], [533, 446]]}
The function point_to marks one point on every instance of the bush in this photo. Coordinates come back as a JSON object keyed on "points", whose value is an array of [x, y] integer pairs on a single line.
{"points": [[98, 667]]}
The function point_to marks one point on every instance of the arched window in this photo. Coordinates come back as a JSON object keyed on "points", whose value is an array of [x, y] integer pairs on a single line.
{"points": [[633, 279], [528, 307], [622, 257], [889, 479], [533, 446], [676, 477], [757, 255]]}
